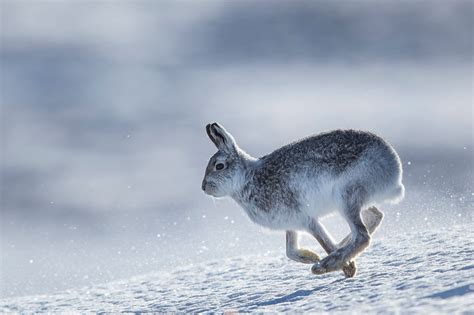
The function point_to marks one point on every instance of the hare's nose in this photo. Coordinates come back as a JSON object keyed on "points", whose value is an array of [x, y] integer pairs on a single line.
{"points": [[203, 186]]}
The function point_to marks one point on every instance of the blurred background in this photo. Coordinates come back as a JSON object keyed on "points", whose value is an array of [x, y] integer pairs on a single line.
{"points": [[103, 108]]}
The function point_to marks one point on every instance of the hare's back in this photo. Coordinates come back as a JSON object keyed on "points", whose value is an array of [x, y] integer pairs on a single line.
{"points": [[332, 151], [311, 168]]}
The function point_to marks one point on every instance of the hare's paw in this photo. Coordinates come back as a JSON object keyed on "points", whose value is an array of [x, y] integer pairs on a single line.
{"points": [[308, 256], [372, 218], [350, 269], [317, 269], [333, 262], [304, 256], [376, 213]]}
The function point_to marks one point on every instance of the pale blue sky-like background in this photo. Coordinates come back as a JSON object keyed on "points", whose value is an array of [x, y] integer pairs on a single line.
{"points": [[103, 108]]}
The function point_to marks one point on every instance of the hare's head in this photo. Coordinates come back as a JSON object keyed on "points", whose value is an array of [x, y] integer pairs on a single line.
{"points": [[225, 170]]}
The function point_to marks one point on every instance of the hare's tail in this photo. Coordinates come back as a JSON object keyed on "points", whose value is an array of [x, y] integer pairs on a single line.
{"points": [[396, 194]]}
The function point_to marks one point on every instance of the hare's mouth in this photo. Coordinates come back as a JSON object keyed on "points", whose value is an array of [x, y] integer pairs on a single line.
{"points": [[209, 188]]}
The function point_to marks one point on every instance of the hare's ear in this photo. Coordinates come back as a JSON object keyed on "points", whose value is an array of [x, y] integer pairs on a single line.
{"points": [[221, 138]]}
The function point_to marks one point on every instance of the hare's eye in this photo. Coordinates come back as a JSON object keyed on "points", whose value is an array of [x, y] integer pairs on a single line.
{"points": [[219, 166]]}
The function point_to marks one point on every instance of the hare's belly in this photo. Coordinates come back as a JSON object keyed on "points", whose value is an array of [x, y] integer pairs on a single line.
{"points": [[278, 218], [316, 198]]}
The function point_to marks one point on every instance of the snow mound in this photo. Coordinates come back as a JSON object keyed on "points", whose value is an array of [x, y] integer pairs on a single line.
{"points": [[421, 272]]}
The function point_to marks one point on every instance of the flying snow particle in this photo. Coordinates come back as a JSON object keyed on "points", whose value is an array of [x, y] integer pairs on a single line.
{"points": [[409, 162], [31, 261]]}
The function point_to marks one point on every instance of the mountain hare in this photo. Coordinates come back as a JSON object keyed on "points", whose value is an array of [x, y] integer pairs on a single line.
{"points": [[295, 186]]}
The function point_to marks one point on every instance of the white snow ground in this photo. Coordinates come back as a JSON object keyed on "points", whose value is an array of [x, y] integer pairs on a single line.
{"points": [[425, 272]]}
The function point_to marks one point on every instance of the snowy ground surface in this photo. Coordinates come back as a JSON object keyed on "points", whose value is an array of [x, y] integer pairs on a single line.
{"points": [[423, 272]]}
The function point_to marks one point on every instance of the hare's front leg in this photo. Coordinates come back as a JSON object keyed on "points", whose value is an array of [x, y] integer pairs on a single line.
{"points": [[319, 232], [360, 239], [298, 254]]}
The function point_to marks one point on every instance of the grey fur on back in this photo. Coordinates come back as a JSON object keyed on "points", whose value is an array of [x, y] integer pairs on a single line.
{"points": [[330, 153], [333, 151]]}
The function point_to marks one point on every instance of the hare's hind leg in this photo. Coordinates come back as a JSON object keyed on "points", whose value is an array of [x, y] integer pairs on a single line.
{"points": [[372, 218], [298, 254], [360, 237], [320, 233]]}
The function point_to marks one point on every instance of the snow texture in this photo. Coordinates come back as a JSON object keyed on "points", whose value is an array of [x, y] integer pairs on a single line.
{"points": [[421, 272]]}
